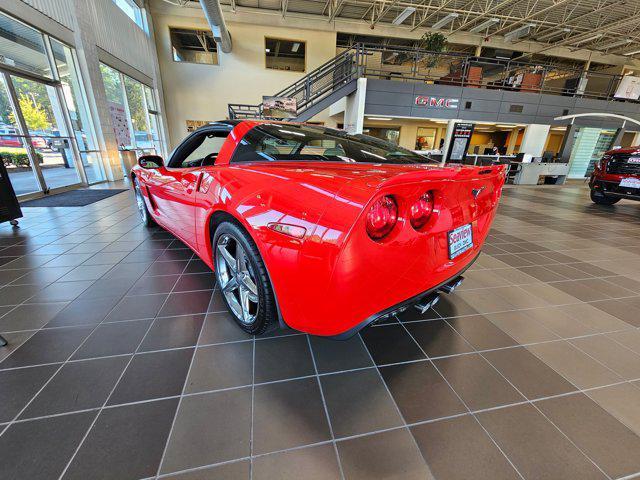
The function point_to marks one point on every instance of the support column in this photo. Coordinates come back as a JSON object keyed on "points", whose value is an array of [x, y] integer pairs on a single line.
{"points": [[567, 143], [617, 138], [354, 108], [513, 138], [534, 140], [87, 53], [447, 138]]}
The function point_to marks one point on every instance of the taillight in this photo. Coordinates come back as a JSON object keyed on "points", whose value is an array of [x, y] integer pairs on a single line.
{"points": [[421, 211], [382, 217]]}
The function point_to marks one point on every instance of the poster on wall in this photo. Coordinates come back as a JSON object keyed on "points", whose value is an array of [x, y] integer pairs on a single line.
{"points": [[120, 124], [279, 107], [193, 125], [629, 87]]}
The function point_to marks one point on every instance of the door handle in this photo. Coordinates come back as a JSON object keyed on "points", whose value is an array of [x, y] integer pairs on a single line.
{"points": [[189, 188]]}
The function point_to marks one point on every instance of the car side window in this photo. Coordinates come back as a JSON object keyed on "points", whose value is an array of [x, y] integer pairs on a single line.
{"points": [[199, 150]]}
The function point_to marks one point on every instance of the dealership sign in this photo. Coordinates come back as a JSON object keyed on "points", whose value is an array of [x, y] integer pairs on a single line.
{"points": [[436, 102]]}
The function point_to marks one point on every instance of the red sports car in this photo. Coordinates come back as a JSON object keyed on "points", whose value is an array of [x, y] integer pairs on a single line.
{"points": [[616, 176], [322, 231]]}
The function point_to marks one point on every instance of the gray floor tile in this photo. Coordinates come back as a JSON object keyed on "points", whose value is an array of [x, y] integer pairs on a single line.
{"points": [[77, 386], [477, 383], [420, 392], [47, 346], [113, 339], [210, 428], [125, 442], [40, 449], [221, 366], [282, 358], [153, 375], [526, 436], [313, 463], [605, 440], [173, 332], [459, 449], [389, 455], [288, 414], [334, 356], [19, 387], [347, 415]]}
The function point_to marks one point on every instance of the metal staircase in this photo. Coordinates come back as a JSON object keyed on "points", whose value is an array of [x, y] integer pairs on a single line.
{"points": [[316, 91]]}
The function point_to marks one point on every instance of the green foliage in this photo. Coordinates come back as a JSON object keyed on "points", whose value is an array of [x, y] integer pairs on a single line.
{"points": [[17, 157], [434, 42], [34, 114]]}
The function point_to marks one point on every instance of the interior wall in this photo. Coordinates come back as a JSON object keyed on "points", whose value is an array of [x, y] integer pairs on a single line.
{"points": [[409, 130], [202, 92], [554, 142]]}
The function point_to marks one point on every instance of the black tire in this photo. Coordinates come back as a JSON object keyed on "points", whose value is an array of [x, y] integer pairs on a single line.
{"points": [[229, 234], [600, 198], [145, 216]]}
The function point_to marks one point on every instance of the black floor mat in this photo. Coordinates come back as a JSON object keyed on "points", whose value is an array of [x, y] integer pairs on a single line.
{"points": [[73, 198]]}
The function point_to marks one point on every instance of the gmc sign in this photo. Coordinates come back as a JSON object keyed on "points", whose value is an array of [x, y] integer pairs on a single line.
{"points": [[436, 102]]}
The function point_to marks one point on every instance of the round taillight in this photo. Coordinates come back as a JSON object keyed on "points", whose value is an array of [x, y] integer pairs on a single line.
{"points": [[382, 217], [421, 211]]}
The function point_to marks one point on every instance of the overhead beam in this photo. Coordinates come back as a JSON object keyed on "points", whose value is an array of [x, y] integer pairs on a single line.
{"points": [[531, 16], [485, 14], [428, 17]]}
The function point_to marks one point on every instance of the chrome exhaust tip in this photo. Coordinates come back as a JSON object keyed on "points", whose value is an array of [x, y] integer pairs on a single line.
{"points": [[452, 285], [427, 302]]}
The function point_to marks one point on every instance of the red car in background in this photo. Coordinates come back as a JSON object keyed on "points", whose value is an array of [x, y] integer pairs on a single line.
{"points": [[320, 230], [616, 176]]}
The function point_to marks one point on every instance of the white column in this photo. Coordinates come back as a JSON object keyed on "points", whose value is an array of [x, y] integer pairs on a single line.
{"points": [[354, 108], [447, 138], [89, 65], [533, 140]]}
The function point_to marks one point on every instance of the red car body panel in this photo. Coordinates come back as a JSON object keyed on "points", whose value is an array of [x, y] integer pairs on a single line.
{"points": [[603, 179], [335, 277]]}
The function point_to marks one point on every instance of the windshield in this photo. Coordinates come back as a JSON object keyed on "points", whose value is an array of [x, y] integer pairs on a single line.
{"points": [[277, 142]]}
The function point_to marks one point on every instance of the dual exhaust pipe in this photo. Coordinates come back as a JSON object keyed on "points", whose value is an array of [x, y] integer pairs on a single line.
{"points": [[432, 299]]}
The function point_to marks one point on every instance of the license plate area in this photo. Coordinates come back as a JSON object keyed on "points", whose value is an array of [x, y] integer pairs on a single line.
{"points": [[460, 240], [630, 182]]}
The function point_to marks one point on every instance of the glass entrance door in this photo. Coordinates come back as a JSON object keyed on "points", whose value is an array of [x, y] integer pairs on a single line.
{"points": [[46, 130], [14, 148]]}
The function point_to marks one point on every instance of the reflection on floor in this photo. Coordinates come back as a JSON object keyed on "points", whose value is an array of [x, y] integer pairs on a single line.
{"points": [[123, 364]]}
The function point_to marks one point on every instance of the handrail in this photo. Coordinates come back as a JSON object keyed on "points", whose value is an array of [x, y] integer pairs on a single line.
{"points": [[447, 68]]}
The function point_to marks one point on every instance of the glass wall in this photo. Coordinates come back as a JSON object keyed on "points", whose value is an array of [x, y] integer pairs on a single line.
{"points": [[133, 112], [76, 102], [47, 140]]}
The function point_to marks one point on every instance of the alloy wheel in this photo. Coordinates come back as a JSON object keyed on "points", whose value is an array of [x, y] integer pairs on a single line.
{"points": [[236, 278], [142, 209]]}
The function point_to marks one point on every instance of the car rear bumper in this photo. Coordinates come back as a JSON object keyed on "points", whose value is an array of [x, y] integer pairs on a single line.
{"points": [[402, 305], [612, 188]]}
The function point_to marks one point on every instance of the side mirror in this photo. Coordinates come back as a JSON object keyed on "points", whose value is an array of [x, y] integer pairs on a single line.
{"points": [[150, 161]]}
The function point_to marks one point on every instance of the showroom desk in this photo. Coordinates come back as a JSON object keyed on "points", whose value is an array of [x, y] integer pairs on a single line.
{"points": [[530, 173]]}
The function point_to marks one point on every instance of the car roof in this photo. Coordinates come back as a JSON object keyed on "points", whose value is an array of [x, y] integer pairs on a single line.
{"points": [[623, 151]]}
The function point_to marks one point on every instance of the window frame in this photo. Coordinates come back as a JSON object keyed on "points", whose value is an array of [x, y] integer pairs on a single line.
{"points": [[186, 147], [217, 51], [286, 40]]}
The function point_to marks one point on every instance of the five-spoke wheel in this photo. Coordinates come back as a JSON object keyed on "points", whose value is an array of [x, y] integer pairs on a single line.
{"points": [[242, 278], [237, 282], [142, 207]]}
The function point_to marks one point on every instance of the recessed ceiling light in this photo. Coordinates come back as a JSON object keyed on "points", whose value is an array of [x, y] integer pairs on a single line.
{"points": [[484, 25], [406, 13], [444, 21]]}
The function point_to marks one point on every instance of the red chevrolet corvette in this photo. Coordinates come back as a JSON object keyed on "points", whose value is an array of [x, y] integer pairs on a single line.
{"points": [[322, 231]]}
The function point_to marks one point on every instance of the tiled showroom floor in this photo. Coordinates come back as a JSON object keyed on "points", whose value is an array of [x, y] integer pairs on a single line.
{"points": [[122, 363]]}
